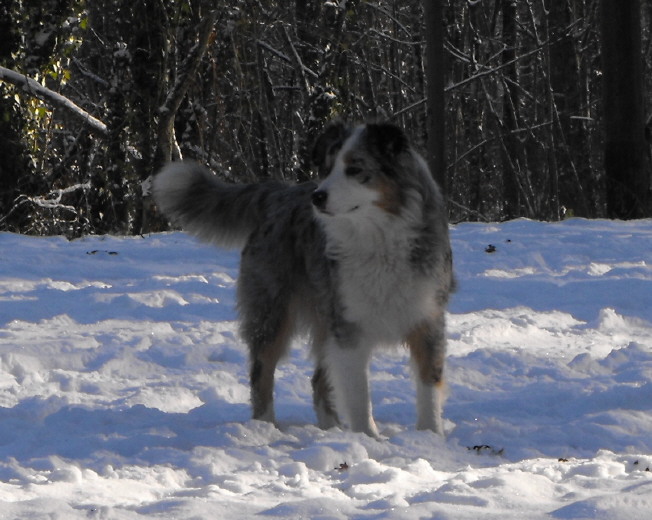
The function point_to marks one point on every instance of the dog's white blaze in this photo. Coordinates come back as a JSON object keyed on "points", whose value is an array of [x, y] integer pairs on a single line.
{"points": [[346, 196], [348, 370]]}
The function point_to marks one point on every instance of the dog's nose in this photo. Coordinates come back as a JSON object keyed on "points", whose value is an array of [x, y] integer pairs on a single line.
{"points": [[319, 198]]}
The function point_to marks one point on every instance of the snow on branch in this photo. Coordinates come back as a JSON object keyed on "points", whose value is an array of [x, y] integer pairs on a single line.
{"points": [[51, 200], [34, 88]]}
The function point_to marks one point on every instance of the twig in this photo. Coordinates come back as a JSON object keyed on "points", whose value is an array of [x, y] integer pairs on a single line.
{"points": [[477, 76], [275, 52], [468, 210], [300, 64]]}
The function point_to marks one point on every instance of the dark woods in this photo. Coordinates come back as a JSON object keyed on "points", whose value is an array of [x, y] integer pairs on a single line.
{"points": [[544, 107]]}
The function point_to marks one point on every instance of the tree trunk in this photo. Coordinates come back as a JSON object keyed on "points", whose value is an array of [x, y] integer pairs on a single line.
{"points": [[510, 153], [626, 162], [567, 134], [435, 75]]}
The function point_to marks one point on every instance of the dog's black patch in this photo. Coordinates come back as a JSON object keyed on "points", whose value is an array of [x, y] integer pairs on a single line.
{"points": [[327, 145], [387, 139]]}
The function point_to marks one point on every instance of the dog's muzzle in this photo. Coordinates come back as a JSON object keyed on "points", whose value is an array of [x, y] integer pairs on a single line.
{"points": [[319, 198]]}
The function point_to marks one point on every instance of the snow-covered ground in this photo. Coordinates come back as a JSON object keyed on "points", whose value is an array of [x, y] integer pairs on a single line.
{"points": [[124, 395]]}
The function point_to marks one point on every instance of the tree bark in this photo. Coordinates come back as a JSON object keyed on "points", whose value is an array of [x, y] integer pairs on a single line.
{"points": [[435, 76], [574, 175], [510, 152], [626, 163]]}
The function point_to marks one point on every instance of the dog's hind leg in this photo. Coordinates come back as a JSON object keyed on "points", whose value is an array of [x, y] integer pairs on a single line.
{"points": [[268, 337], [262, 385], [322, 393], [427, 344]]}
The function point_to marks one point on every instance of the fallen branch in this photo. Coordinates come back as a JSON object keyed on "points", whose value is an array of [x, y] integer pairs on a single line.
{"points": [[39, 91]]}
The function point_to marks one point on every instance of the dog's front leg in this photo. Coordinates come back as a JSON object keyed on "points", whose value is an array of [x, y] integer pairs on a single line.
{"points": [[427, 345], [348, 372]]}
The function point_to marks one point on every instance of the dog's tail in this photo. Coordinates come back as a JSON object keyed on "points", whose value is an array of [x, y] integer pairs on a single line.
{"points": [[214, 211]]}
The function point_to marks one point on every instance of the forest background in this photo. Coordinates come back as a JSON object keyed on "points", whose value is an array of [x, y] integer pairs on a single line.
{"points": [[544, 102]]}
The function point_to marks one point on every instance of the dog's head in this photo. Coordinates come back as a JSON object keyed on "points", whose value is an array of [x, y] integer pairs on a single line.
{"points": [[361, 169]]}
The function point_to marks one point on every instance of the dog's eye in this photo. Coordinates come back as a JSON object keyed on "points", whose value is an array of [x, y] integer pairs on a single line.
{"points": [[358, 173], [352, 171]]}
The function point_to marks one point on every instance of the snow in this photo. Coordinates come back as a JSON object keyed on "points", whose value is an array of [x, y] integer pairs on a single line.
{"points": [[124, 393]]}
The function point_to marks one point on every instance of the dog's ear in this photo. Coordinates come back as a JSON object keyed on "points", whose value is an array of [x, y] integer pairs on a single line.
{"points": [[327, 145], [386, 138]]}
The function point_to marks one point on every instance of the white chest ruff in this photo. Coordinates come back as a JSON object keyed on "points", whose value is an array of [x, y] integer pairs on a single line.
{"points": [[380, 291], [385, 305]]}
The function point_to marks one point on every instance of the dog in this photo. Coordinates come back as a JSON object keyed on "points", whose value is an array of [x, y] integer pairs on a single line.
{"points": [[358, 261]]}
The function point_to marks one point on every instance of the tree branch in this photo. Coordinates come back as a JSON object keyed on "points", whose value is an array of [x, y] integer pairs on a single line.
{"points": [[34, 88]]}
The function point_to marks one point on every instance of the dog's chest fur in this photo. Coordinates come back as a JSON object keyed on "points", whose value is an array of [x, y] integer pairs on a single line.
{"points": [[379, 289]]}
